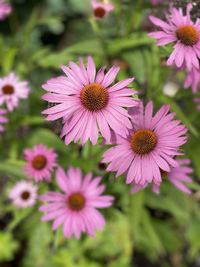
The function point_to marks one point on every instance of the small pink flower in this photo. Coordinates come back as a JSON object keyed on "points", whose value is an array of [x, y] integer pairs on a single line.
{"points": [[76, 208], [193, 79], [101, 9], [197, 101], [149, 148], [40, 162], [181, 30], [11, 90], [23, 194], [178, 176], [3, 119], [88, 102], [5, 9]]}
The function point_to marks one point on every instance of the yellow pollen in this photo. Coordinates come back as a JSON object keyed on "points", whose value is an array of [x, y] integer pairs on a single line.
{"points": [[94, 97], [76, 201], [8, 89], [188, 35], [99, 12], [39, 162], [143, 141]]}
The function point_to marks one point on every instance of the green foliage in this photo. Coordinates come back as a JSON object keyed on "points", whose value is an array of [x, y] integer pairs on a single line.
{"points": [[8, 246]]}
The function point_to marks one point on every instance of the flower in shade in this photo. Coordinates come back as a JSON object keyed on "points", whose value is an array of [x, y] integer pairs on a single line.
{"points": [[40, 162], [11, 90], [193, 80], [197, 101], [101, 9], [88, 102], [76, 208], [178, 176], [5, 9], [181, 30], [3, 119], [23, 194], [149, 148]]}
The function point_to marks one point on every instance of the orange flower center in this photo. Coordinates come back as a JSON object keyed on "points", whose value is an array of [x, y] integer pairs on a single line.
{"points": [[8, 89], [188, 35], [76, 201], [143, 141], [94, 97], [99, 12], [39, 162], [25, 195]]}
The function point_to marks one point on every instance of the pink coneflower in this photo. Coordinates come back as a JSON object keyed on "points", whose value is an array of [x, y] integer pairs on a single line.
{"points": [[5, 9], [178, 176], [193, 80], [40, 162], [89, 102], [76, 209], [101, 8], [150, 147], [3, 119], [181, 30], [11, 90], [23, 194]]}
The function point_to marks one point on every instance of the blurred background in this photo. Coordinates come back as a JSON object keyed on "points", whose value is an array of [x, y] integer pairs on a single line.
{"points": [[143, 230]]}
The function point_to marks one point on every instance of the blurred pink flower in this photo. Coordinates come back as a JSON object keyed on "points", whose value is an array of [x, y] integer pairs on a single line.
{"points": [[156, 2], [11, 90], [88, 102], [5, 9], [76, 209], [23, 194], [101, 9], [3, 119], [193, 79], [178, 176], [197, 101], [149, 148], [181, 30], [40, 162]]}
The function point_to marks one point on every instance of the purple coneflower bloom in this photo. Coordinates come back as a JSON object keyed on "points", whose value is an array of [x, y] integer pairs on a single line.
{"points": [[101, 9], [181, 30], [89, 102], [149, 148], [76, 208], [40, 162], [11, 90], [23, 194]]}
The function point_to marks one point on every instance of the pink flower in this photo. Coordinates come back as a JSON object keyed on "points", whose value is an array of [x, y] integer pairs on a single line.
{"points": [[3, 119], [76, 209], [40, 162], [89, 103], [197, 101], [184, 33], [150, 147], [178, 176], [101, 9], [11, 90], [23, 194], [193, 79], [5, 9]]}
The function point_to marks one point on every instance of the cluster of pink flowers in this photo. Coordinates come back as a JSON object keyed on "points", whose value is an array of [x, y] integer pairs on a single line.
{"points": [[180, 30], [144, 146]]}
